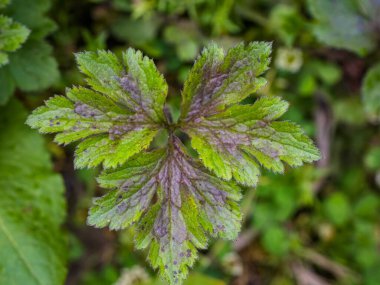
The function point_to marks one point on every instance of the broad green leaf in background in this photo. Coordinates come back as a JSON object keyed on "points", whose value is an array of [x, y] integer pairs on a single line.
{"points": [[32, 206], [31, 67], [33, 15], [348, 24], [371, 93], [34, 56], [175, 204], [117, 118], [233, 140], [7, 85]]}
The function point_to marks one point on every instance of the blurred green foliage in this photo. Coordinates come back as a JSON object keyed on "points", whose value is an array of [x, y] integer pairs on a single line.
{"points": [[319, 221], [32, 206], [30, 67]]}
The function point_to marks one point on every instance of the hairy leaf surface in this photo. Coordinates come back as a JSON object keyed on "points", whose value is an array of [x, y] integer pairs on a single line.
{"points": [[233, 141], [32, 206], [174, 202], [220, 79], [116, 119]]}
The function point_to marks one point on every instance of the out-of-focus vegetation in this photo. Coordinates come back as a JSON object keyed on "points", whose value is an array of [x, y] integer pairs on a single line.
{"points": [[314, 225]]}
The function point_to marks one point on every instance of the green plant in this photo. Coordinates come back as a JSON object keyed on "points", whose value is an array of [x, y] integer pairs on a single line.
{"points": [[12, 35], [212, 14], [348, 24], [174, 200], [26, 60], [32, 205], [370, 93]]}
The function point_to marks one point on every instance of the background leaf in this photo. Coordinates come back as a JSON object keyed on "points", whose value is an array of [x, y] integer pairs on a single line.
{"points": [[32, 206], [371, 93], [12, 36], [32, 66], [341, 24]]}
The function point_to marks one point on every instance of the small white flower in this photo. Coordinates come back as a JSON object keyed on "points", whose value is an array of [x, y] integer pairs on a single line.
{"points": [[232, 264], [133, 276], [289, 59]]}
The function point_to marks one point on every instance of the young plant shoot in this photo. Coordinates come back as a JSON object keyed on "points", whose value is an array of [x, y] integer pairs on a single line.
{"points": [[174, 201]]}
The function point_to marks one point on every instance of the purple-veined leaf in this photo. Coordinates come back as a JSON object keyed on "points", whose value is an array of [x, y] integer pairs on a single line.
{"points": [[174, 203], [234, 140], [115, 119]]}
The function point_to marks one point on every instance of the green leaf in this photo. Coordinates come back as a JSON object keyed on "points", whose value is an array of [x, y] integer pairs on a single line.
{"points": [[218, 80], [186, 44], [32, 67], [32, 206], [174, 203], [371, 93], [117, 119], [342, 24], [276, 241], [33, 15], [372, 158], [349, 105], [329, 73], [136, 31], [286, 22], [12, 36], [367, 208], [337, 209], [235, 142], [7, 85], [140, 88]]}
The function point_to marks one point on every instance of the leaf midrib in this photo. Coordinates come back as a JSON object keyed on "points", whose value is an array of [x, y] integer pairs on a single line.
{"points": [[18, 251]]}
